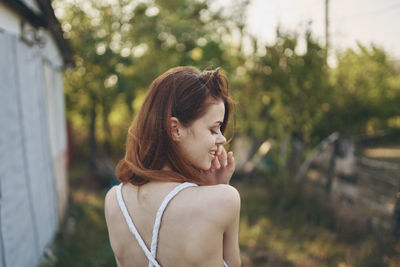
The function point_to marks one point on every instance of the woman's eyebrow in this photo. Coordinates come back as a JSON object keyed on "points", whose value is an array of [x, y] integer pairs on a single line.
{"points": [[218, 122]]}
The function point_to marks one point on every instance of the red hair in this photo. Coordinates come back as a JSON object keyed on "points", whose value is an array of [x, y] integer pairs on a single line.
{"points": [[181, 92]]}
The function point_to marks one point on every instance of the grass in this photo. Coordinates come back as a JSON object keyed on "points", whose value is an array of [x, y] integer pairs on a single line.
{"points": [[281, 225], [387, 152], [83, 238], [286, 225]]}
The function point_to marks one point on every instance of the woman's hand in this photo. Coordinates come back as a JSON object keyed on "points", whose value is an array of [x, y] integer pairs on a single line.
{"points": [[222, 167]]}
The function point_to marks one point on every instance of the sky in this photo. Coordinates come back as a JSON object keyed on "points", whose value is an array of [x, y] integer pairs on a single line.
{"points": [[351, 21]]}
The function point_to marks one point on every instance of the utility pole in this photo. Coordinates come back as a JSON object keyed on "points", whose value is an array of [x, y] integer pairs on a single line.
{"points": [[326, 30]]}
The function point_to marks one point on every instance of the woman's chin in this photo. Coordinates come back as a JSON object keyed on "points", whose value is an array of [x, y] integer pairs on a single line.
{"points": [[209, 166], [206, 167]]}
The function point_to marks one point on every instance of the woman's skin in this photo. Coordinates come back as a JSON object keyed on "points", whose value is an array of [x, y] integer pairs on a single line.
{"points": [[202, 142], [200, 225]]}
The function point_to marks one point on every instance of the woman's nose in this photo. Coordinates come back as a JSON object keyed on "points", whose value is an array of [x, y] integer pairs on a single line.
{"points": [[220, 139]]}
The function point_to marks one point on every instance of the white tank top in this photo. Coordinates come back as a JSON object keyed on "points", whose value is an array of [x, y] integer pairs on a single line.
{"points": [[151, 254]]}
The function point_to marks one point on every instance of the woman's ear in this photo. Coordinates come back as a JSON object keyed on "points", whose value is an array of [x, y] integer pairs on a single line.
{"points": [[175, 128]]}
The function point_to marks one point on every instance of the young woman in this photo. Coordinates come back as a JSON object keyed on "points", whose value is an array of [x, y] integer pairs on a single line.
{"points": [[174, 206]]}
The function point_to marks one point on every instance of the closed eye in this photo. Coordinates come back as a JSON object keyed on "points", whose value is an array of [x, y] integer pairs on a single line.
{"points": [[213, 131]]}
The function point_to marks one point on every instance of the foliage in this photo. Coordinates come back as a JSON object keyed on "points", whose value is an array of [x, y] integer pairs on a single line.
{"points": [[121, 46], [366, 92], [283, 93]]}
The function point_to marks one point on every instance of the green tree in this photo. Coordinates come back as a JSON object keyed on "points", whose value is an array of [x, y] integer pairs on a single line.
{"points": [[121, 47], [284, 93], [366, 92]]}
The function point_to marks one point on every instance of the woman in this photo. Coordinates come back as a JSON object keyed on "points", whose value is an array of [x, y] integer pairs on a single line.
{"points": [[174, 206]]}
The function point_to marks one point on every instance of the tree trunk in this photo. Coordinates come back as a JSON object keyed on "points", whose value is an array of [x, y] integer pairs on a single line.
{"points": [[296, 154], [331, 168], [92, 135], [283, 151], [106, 127]]}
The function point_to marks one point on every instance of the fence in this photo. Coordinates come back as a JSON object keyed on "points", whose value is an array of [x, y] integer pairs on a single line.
{"points": [[370, 186]]}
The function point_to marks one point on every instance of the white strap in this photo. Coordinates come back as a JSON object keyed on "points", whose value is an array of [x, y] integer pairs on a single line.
{"points": [[225, 264], [150, 255], [132, 227], [160, 212]]}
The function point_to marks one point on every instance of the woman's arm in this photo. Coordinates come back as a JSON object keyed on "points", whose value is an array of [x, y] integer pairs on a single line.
{"points": [[221, 172], [110, 208], [231, 206]]}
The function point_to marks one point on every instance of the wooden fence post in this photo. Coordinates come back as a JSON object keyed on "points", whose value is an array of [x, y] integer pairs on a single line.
{"points": [[397, 210], [331, 169], [315, 152]]}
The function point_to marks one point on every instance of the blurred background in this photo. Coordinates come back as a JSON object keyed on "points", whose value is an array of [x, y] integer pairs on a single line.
{"points": [[317, 124]]}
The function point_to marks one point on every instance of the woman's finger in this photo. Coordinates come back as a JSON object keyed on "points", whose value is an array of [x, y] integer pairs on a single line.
{"points": [[217, 164], [219, 150], [223, 157], [231, 160]]}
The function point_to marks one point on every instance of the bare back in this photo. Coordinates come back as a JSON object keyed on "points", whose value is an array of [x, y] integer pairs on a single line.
{"points": [[199, 226]]}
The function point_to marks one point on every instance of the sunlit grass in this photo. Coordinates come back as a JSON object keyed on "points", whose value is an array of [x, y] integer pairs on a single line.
{"points": [[382, 152], [83, 238], [282, 225], [267, 242]]}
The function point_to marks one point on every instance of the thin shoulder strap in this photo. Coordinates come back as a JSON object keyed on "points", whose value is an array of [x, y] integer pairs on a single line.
{"points": [[150, 255], [160, 213], [132, 227]]}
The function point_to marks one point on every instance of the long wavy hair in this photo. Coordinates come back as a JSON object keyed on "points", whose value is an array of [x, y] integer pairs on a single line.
{"points": [[181, 92]]}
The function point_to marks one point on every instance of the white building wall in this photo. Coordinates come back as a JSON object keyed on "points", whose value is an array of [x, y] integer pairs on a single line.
{"points": [[53, 81], [36, 134], [9, 21], [33, 183], [17, 218]]}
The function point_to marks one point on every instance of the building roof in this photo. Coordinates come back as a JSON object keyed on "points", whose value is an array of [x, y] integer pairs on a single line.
{"points": [[46, 19]]}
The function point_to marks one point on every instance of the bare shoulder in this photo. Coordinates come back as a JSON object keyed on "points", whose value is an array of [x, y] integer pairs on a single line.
{"points": [[110, 202], [111, 195], [224, 194], [220, 201]]}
